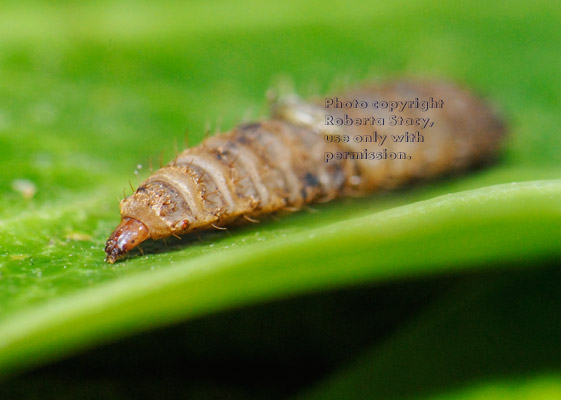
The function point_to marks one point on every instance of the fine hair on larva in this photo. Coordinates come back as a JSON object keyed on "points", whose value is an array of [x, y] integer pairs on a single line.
{"points": [[282, 162]]}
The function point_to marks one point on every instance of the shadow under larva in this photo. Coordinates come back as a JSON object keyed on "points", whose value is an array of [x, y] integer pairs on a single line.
{"points": [[367, 139]]}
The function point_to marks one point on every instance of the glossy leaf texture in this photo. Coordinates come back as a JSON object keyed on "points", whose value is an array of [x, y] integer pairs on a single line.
{"points": [[91, 92]]}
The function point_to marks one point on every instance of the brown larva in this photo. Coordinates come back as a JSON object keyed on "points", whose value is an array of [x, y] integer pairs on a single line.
{"points": [[283, 163]]}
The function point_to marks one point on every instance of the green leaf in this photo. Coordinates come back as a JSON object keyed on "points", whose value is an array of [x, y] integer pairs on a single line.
{"points": [[89, 92], [497, 223]]}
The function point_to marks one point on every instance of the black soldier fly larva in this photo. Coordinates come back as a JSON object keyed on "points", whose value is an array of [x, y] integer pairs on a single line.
{"points": [[298, 157]]}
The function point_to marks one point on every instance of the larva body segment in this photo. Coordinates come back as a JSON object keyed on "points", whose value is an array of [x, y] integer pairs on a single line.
{"points": [[466, 132], [262, 167]]}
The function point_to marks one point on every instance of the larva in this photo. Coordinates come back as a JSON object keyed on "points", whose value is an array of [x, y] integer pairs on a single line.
{"points": [[262, 167]]}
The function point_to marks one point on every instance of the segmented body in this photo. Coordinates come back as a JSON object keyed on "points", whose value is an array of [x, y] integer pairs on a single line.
{"points": [[262, 167]]}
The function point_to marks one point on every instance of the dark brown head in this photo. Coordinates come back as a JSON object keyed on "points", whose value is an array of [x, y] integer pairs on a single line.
{"points": [[129, 234]]}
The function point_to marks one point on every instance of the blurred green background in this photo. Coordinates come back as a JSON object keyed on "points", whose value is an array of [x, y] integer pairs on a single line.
{"points": [[341, 303]]}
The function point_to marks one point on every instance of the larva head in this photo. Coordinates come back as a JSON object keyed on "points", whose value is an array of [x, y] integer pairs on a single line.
{"points": [[154, 211], [129, 234]]}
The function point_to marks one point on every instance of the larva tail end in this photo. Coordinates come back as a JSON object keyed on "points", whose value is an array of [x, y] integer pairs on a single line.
{"points": [[129, 234]]}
